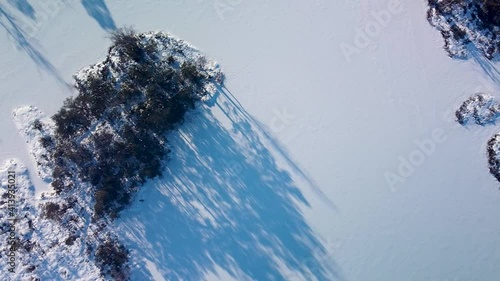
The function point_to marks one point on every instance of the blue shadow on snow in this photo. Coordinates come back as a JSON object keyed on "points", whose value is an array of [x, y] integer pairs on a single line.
{"points": [[224, 203], [24, 7], [100, 12], [21, 40]]}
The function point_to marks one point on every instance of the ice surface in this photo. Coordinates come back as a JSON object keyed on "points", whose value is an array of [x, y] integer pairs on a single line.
{"points": [[344, 121]]}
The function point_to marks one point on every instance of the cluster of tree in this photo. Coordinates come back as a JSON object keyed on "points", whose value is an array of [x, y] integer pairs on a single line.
{"points": [[480, 108], [489, 12], [446, 6], [56, 211], [468, 21], [493, 156], [113, 133], [111, 257]]}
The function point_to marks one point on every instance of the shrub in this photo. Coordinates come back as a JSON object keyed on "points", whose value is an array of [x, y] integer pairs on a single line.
{"points": [[190, 71], [46, 141], [70, 240], [112, 134], [52, 211], [30, 268], [111, 257], [70, 121], [490, 12], [126, 40], [37, 125], [467, 21]]}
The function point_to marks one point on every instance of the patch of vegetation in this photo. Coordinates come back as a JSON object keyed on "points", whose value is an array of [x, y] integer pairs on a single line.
{"points": [[113, 133], [489, 12], [70, 240], [52, 211], [47, 142], [462, 22], [480, 109], [493, 152], [129, 43], [111, 257], [37, 125]]}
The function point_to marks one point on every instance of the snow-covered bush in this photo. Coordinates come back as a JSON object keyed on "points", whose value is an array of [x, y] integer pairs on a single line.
{"points": [[103, 145], [493, 150], [111, 256], [113, 133], [464, 22], [480, 109]]}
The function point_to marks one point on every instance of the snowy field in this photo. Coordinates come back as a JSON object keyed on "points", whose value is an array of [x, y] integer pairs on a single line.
{"points": [[330, 154]]}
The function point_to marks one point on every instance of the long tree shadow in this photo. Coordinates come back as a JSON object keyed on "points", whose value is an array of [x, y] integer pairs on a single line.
{"points": [[100, 12], [24, 7], [18, 35], [224, 203], [486, 65], [230, 106]]}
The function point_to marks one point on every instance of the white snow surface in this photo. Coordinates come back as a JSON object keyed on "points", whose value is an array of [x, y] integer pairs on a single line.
{"points": [[23, 118], [42, 241], [305, 120]]}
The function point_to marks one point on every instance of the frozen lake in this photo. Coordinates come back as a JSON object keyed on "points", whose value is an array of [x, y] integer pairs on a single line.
{"points": [[357, 95]]}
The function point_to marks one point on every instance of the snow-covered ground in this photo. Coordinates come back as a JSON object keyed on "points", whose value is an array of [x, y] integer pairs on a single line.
{"points": [[361, 127]]}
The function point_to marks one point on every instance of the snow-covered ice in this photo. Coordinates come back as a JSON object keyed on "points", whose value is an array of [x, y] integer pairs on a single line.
{"points": [[331, 128]]}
